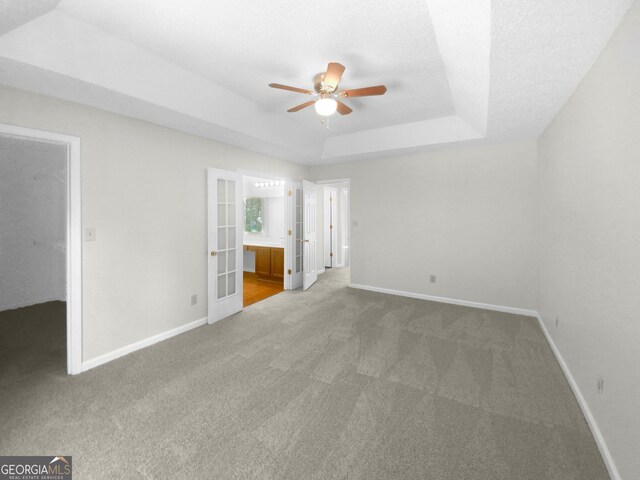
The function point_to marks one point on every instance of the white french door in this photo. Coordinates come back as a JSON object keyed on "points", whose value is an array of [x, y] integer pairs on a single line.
{"points": [[224, 216], [309, 242], [295, 236]]}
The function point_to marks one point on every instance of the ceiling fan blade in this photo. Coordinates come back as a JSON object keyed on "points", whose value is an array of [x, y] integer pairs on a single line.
{"points": [[334, 74], [364, 92], [301, 106], [291, 89], [343, 109]]}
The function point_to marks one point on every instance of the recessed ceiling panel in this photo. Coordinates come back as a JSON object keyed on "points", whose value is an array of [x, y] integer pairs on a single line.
{"points": [[456, 70], [244, 45]]}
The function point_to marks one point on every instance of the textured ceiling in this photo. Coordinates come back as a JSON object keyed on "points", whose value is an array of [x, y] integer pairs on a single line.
{"points": [[243, 45], [456, 70], [540, 51], [14, 13]]}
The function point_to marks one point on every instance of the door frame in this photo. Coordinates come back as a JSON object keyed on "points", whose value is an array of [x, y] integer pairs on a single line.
{"points": [[346, 180], [329, 220], [73, 233], [287, 248]]}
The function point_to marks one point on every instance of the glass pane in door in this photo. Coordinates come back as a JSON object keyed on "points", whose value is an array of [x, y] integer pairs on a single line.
{"points": [[222, 238], [222, 218], [221, 190], [222, 262], [227, 248], [231, 191], [231, 218], [222, 286], [231, 282], [232, 261], [232, 238]]}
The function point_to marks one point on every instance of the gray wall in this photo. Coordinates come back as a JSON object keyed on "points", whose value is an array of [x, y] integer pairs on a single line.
{"points": [[144, 190], [32, 222], [589, 190], [466, 215]]}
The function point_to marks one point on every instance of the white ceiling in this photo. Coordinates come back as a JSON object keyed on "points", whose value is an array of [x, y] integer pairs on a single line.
{"points": [[290, 42], [456, 70]]}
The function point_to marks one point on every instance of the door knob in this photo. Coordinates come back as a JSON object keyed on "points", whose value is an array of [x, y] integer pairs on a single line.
{"points": [[213, 253], [305, 241]]}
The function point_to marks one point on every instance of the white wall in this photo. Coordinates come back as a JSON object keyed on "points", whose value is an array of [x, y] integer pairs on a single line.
{"points": [[32, 222], [466, 215], [144, 190], [589, 190]]}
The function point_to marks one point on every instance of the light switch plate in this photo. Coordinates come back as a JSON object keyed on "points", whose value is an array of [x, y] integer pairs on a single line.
{"points": [[90, 234]]}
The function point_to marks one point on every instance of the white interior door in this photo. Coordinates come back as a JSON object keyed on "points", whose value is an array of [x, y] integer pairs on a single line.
{"points": [[330, 230], [295, 235], [343, 261], [224, 201], [310, 266]]}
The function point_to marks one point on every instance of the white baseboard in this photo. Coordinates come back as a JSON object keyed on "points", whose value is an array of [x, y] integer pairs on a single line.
{"points": [[12, 306], [453, 301], [120, 352], [591, 421]]}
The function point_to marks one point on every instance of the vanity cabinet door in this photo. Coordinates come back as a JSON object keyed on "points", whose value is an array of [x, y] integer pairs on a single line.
{"points": [[277, 263], [263, 261]]}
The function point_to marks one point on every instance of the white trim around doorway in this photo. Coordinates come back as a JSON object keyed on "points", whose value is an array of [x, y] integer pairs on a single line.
{"points": [[74, 235]]}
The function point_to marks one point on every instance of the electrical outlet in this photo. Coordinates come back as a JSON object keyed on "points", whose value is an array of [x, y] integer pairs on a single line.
{"points": [[557, 321], [600, 384], [194, 299], [432, 279]]}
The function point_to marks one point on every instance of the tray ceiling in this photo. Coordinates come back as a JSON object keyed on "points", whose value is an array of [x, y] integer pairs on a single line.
{"points": [[456, 70]]}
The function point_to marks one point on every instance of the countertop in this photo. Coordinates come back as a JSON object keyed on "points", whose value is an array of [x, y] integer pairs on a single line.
{"points": [[258, 243]]}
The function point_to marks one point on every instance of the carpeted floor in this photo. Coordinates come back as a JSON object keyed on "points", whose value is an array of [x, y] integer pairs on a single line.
{"points": [[333, 383]]}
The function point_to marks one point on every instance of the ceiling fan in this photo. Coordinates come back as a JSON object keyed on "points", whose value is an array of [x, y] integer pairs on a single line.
{"points": [[325, 88]]}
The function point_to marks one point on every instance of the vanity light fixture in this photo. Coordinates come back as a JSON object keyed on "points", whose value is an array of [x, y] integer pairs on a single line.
{"points": [[271, 184]]}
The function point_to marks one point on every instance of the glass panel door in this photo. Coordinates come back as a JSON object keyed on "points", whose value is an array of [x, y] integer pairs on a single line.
{"points": [[225, 260], [226, 271], [294, 253], [309, 263]]}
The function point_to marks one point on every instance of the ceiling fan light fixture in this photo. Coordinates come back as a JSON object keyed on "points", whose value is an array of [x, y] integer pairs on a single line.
{"points": [[326, 106], [326, 88]]}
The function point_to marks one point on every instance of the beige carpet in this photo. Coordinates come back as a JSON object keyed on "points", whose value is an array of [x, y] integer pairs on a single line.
{"points": [[333, 383]]}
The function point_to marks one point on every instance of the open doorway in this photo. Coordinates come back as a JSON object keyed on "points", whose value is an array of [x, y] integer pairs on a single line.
{"points": [[40, 259], [263, 238], [335, 197]]}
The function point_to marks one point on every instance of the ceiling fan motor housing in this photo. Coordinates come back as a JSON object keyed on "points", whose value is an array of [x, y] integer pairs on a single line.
{"points": [[320, 87]]}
